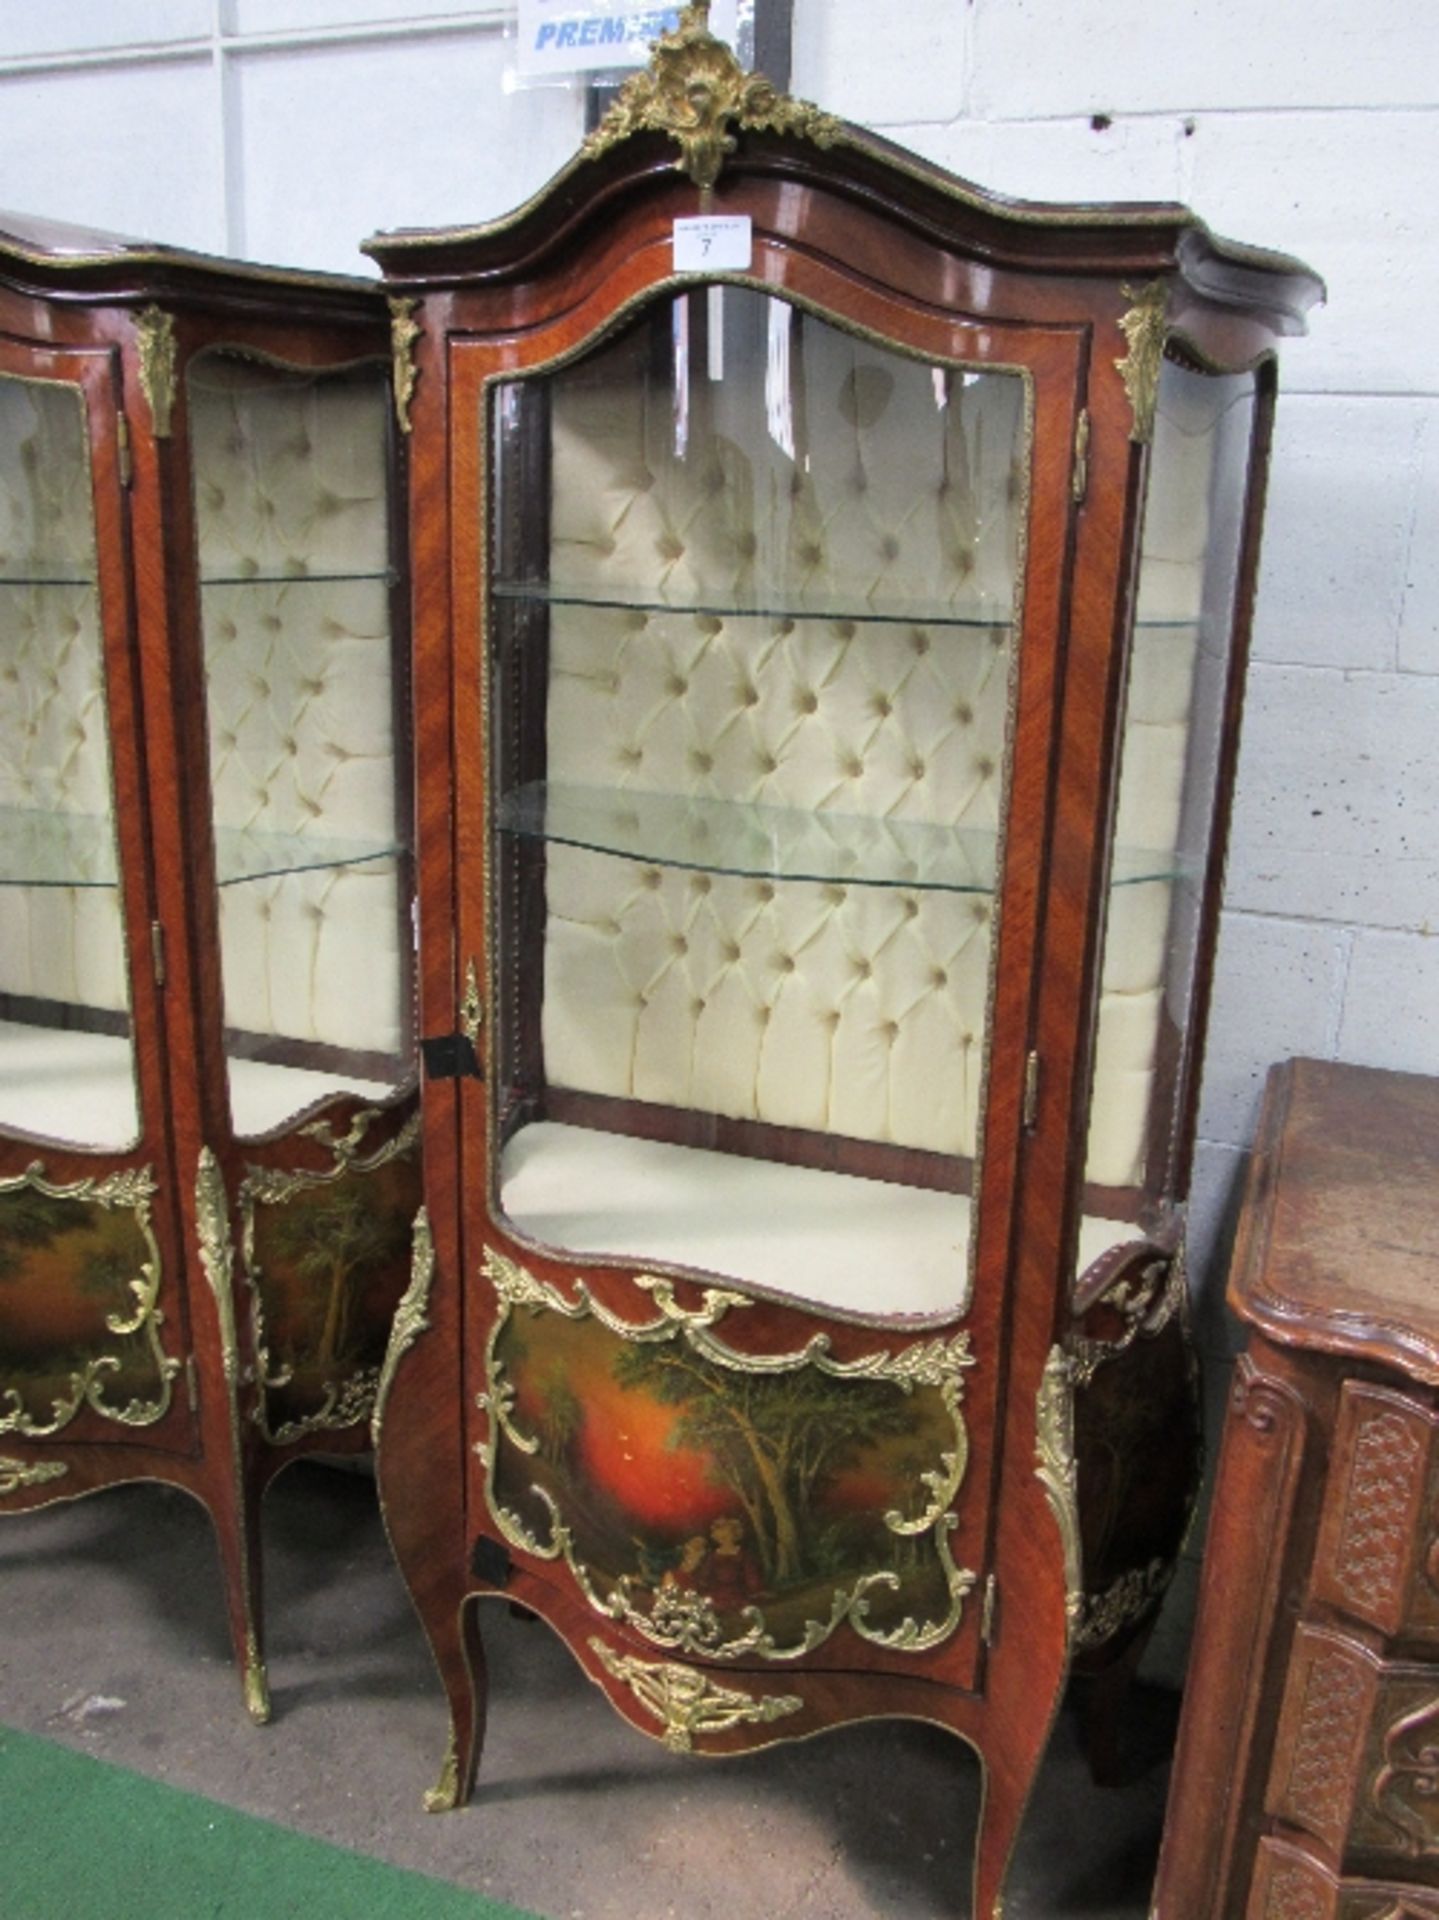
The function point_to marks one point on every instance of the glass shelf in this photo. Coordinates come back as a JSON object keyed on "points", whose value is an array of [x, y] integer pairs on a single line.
{"points": [[385, 574], [783, 843], [39, 848], [248, 853], [780, 606], [773, 605], [43, 849]]}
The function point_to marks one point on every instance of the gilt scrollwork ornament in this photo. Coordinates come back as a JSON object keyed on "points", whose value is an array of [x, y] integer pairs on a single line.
{"points": [[1058, 1472], [1145, 1306], [1142, 325], [405, 331], [155, 343], [472, 1005], [689, 1704], [16, 1475], [789, 1414], [130, 1190], [1129, 1598], [695, 90], [412, 1316], [217, 1258], [217, 1263]]}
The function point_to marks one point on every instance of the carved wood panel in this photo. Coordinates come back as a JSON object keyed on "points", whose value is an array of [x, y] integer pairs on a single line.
{"points": [[1325, 1716], [1398, 1810], [1356, 1759], [1290, 1885], [1379, 1533]]}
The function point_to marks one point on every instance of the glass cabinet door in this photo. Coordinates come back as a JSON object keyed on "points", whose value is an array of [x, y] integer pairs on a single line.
{"points": [[754, 591], [66, 1055], [81, 1268], [310, 821], [1171, 758]]}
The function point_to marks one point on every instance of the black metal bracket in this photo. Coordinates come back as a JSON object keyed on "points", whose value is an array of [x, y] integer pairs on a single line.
{"points": [[450, 1056], [490, 1561]]}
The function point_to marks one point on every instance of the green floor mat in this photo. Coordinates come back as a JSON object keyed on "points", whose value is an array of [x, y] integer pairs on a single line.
{"points": [[83, 1840]]}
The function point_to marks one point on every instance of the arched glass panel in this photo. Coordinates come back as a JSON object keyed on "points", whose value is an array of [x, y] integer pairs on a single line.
{"points": [[754, 594]]}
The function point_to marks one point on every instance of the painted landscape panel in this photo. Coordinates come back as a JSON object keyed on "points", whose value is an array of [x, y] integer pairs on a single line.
{"points": [[719, 1506], [78, 1279], [331, 1259]]}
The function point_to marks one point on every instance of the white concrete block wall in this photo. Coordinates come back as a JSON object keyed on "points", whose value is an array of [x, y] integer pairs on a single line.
{"points": [[1308, 125], [278, 130], [287, 129]]}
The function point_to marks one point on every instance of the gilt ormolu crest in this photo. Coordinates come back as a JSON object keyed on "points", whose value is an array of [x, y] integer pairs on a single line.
{"points": [[695, 90]]}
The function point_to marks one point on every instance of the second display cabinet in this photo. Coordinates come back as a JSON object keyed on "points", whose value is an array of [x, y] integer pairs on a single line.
{"points": [[208, 1136], [827, 676]]}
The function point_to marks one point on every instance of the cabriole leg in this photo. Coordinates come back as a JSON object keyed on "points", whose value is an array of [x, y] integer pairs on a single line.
{"points": [[460, 1656]]}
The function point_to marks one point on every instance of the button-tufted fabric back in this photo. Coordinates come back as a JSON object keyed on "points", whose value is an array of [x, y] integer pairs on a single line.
{"points": [[857, 485], [58, 942], [797, 508], [290, 495]]}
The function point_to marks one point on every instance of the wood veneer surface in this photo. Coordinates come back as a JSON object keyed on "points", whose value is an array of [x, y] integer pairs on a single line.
{"points": [[1343, 1253]]}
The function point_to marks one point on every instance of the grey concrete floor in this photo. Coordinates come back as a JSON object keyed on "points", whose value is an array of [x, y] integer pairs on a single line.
{"points": [[111, 1641]]}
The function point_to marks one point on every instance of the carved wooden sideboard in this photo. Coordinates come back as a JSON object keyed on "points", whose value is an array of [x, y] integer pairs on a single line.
{"points": [[1306, 1784]]}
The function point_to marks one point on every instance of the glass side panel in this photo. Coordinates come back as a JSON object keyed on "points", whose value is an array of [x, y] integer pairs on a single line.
{"points": [[66, 1054], [756, 582], [1169, 772], [292, 515]]}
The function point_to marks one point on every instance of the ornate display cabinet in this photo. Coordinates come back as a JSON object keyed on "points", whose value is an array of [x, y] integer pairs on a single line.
{"points": [[208, 1126], [828, 664]]}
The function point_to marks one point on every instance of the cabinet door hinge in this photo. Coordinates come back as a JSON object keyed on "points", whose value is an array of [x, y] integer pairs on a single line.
{"points": [[1079, 472], [1031, 1092], [126, 458], [192, 1384], [987, 1611], [157, 951]]}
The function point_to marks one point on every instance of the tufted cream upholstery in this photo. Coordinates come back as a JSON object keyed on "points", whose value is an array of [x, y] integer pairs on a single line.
{"points": [[869, 484], [58, 942], [849, 1008], [714, 638], [290, 486]]}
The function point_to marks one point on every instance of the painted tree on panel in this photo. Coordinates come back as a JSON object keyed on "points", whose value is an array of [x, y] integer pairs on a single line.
{"points": [[29, 1220], [332, 1238], [776, 1440]]}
